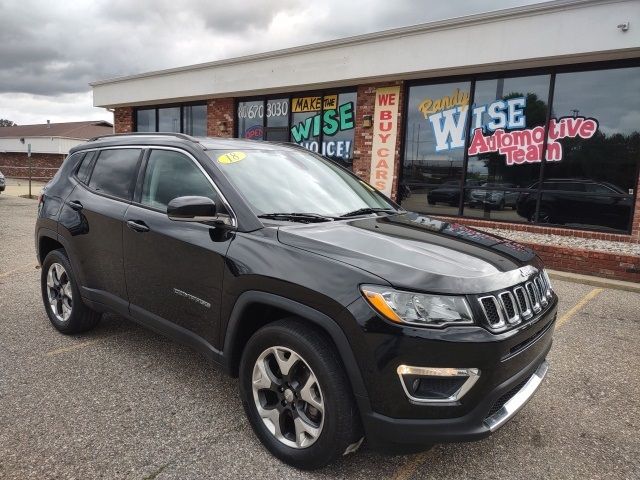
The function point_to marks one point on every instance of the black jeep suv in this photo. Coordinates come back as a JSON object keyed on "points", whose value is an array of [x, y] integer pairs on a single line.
{"points": [[344, 316]]}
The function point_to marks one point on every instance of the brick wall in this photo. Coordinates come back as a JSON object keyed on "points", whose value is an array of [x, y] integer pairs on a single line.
{"points": [[363, 137], [43, 165], [589, 262], [221, 117], [123, 120]]}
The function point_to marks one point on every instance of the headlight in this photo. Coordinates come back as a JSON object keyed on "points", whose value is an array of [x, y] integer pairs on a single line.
{"points": [[418, 308]]}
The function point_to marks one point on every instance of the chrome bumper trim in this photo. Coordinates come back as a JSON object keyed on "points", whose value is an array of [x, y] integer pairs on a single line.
{"points": [[472, 375], [519, 400]]}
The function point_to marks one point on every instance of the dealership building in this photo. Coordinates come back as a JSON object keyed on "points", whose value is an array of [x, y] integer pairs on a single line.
{"points": [[526, 118]]}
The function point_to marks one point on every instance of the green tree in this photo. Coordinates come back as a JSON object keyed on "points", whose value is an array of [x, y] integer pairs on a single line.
{"points": [[6, 123]]}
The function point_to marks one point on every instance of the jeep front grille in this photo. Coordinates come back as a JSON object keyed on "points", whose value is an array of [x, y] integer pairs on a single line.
{"points": [[513, 306]]}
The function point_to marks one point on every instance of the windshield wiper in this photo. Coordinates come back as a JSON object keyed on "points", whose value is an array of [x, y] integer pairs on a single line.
{"points": [[297, 217], [365, 210]]}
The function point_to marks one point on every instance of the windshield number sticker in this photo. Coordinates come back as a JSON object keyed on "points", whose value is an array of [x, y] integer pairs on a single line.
{"points": [[232, 157]]}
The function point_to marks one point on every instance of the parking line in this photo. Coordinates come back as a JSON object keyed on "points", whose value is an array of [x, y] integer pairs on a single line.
{"points": [[578, 306], [70, 348]]}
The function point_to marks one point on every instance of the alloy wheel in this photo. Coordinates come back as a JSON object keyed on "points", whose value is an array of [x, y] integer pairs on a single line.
{"points": [[288, 397], [59, 292]]}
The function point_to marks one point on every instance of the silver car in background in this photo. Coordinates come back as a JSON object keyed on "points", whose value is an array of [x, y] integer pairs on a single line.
{"points": [[497, 196], [3, 182]]}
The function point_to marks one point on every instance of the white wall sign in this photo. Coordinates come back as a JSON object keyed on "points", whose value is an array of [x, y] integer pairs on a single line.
{"points": [[385, 131]]}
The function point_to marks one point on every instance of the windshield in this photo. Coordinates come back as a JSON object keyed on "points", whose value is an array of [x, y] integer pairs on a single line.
{"points": [[288, 181]]}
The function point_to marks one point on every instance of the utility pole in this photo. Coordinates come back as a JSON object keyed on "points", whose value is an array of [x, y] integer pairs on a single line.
{"points": [[29, 160]]}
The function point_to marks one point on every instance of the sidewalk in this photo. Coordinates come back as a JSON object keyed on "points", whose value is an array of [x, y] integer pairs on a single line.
{"points": [[17, 187]]}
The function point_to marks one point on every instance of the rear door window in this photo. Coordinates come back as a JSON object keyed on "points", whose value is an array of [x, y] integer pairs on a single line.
{"points": [[115, 172]]}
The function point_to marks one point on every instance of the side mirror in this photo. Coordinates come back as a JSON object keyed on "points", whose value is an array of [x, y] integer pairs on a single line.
{"points": [[192, 209]]}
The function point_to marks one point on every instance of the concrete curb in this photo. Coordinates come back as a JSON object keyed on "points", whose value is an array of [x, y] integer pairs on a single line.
{"points": [[595, 281]]}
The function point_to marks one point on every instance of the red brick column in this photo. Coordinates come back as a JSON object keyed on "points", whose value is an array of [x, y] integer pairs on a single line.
{"points": [[635, 228], [364, 135], [123, 120], [221, 117]]}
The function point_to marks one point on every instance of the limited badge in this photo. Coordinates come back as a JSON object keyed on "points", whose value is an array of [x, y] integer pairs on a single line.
{"points": [[232, 157]]}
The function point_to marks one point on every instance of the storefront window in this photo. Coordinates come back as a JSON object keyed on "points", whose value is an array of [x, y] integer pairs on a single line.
{"points": [[146, 120], [591, 157], [592, 168], [434, 147], [338, 129], [251, 120], [194, 120], [277, 120], [505, 148], [190, 119], [169, 119], [323, 123]]}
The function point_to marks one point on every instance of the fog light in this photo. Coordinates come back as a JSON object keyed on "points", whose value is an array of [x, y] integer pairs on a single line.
{"points": [[434, 385]]}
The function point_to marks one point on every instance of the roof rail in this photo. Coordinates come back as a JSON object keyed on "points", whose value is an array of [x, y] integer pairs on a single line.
{"points": [[183, 136]]}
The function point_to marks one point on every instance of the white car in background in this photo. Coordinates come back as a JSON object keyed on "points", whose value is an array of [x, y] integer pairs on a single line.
{"points": [[3, 182]]}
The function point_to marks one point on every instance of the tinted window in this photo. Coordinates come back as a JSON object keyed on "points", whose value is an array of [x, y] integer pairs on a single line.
{"points": [[608, 100], [85, 167], [434, 146], [194, 118], [251, 119], [505, 148], [169, 119], [146, 120], [171, 175], [115, 172]]}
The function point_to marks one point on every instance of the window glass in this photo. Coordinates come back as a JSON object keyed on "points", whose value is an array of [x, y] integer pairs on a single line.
{"points": [[296, 181], [594, 148], [146, 120], [306, 120], [597, 128], [194, 119], [325, 124], [434, 147], [169, 119], [278, 112], [85, 167], [339, 128], [171, 175], [505, 149], [115, 172], [593, 211], [251, 120]]}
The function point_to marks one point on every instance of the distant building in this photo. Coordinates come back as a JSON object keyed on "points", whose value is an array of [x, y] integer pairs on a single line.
{"points": [[50, 144]]}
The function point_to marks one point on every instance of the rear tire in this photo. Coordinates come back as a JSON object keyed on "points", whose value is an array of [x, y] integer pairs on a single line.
{"points": [[330, 422], [61, 296]]}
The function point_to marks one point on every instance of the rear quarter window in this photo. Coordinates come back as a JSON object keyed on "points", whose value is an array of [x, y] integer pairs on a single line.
{"points": [[115, 172]]}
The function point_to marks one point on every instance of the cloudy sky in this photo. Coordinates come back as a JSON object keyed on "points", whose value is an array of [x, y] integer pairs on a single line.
{"points": [[50, 51]]}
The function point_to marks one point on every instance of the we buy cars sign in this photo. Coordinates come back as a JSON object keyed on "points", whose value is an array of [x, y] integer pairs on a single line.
{"points": [[385, 130]]}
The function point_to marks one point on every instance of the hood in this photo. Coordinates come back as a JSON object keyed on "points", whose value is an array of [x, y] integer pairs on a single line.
{"points": [[416, 252]]}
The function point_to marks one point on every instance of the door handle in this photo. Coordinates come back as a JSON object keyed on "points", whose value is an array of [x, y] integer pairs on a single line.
{"points": [[137, 225], [76, 205]]}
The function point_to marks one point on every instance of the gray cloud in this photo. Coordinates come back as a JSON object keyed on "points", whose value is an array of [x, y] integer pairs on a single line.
{"points": [[54, 49]]}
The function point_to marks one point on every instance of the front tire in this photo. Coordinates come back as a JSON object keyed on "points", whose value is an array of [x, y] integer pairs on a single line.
{"points": [[61, 296], [297, 396]]}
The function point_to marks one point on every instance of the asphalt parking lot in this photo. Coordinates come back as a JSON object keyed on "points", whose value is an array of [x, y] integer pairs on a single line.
{"points": [[123, 402]]}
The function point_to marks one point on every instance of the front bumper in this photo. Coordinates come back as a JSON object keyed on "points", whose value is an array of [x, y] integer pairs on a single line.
{"points": [[512, 365], [496, 409]]}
